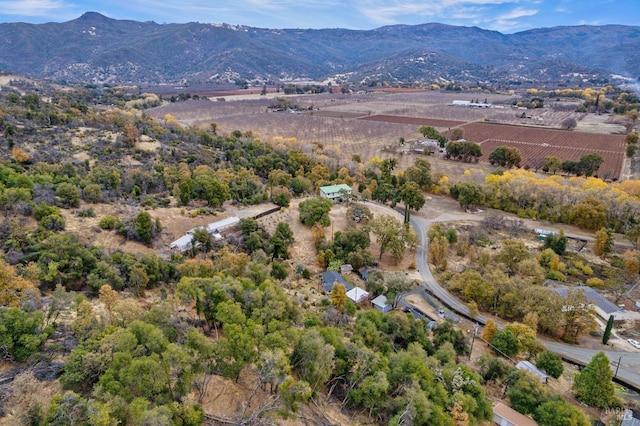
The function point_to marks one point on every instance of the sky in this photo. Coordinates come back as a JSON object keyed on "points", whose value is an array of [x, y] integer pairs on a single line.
{"points": [[506, 16]]}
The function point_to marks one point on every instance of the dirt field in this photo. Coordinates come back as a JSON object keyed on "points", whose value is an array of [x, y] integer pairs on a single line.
{"points": [[368, 123], [175, 222]]}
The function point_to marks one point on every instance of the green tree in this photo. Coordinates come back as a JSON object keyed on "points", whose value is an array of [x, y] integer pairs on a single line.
{"points": [[315, 210], [526, 392], [552, 164], [280, 241], [432, 133], [607, 331], [144, 227], [578, 315], [22, 333], [468, 194], [237, 349], [506, 156], [372, 392], [557, 243], [493, 369], [631, 138], [313, 359], [68, 194], [420, 173], [551, 363], [279, 270], [201, 240], [207, 187], [465, 151], [504, 342], [446, 332], [412, 197], [558, 412], [590, 163], [512, 253], [392, 236], [593, 384]]}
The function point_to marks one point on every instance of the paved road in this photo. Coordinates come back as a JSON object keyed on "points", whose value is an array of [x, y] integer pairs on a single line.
{"points": [[629, 369]]}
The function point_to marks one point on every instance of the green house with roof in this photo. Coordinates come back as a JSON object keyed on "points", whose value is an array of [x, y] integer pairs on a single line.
{"points": [[336, 193]]}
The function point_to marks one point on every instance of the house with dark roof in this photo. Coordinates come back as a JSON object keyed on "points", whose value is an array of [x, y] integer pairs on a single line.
{"points": [[329, 278], [364, 273]]}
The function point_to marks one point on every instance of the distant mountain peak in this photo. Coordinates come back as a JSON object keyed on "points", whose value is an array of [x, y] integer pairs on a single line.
{"points": [[94, 17]]}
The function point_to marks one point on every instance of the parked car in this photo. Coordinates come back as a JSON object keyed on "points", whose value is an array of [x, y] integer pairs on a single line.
{"points": [[634, 343]]}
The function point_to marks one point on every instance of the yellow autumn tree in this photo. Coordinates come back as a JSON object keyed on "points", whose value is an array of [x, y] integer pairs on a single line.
{"points": [[109, 297], [19, 155], [339, 296], [13, 288], [489, 330]]}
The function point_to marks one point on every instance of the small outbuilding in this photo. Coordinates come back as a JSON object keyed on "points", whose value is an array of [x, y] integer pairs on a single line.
{"points": [[527, 366], [182, 244], [364, 273], [380, 303], [216, 227], [358, 294], [346, 268]]}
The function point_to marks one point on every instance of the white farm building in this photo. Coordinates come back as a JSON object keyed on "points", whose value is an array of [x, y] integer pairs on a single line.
{"points": [[184, 243]]}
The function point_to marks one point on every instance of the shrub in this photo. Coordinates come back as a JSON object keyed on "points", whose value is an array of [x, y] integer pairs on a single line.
{"points": [[556, 275], [53, 222], [110, 222], [279, 270], [68, 194], [573, 272], [88, 212], [43, 210], [595, 282]]}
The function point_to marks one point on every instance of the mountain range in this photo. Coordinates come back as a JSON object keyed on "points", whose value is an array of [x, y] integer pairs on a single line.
{"points": [[96, 49]]}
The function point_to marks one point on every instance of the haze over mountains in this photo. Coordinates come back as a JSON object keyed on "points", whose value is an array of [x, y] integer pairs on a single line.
{"points": [[97, 49]]}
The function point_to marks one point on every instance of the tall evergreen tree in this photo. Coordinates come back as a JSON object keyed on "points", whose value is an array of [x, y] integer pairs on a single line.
{"points": [[607, 330], [593, 384]]}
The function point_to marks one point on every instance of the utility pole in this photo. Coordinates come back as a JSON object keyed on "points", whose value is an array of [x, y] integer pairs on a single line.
{"points": [[618, 366], [473, 338]]}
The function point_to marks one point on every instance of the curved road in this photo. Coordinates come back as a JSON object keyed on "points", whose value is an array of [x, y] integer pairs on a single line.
{"points": [[628, 371]]}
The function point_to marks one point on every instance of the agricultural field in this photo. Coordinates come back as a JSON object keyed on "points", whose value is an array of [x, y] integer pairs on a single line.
{"points": [[369, 123]]}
